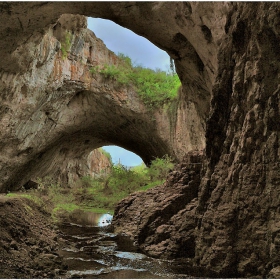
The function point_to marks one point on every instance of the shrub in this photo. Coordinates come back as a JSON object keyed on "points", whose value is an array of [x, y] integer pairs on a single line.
{"points": [[155, 88], [66, 44], [108, 190]]}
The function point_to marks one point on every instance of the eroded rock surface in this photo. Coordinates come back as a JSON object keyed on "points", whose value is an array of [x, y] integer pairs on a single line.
{"points": [[70, 172], [57, 111], [29, 245], [234, 220], [164, 225], [227, 51]]}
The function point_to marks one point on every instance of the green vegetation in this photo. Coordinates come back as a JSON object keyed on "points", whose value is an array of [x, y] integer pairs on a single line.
{"points": [[155, 88], [66, 44], [106, 191], [100, 194], [29, 196]]}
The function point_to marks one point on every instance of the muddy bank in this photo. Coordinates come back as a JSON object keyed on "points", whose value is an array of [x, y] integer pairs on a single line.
{"points": [[29, 242]]}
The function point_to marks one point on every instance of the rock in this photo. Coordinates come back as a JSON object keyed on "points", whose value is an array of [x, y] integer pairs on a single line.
{"points": [[274, 273], [226, 53], [61, 111], [24, 259], [164, 228], [14, 245]]}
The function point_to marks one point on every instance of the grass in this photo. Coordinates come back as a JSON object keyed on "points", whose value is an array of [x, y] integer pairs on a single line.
{"points": [[155, 88], [99, 195], [30, 196]]}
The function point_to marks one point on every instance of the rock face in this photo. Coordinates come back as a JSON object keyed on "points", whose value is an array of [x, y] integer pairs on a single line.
{"points": [[69, 172], [165, 227], [57, 111], [98, 163], [225, 51], [28, 246], [232, 226]]}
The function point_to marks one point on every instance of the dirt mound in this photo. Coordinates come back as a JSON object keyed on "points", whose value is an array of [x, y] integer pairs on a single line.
{"points": [[28, 242]]}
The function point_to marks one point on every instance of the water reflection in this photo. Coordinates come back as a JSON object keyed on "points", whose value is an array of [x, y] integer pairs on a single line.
{"points": [[91, 219], [93, 251], [105, 220]]}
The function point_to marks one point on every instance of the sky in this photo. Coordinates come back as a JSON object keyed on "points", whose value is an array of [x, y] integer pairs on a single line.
{"points": [[142, 52], [122, 40]]}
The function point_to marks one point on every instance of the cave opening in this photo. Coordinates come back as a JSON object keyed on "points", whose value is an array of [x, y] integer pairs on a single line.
{"points": [[122, 40], [123, 156]]}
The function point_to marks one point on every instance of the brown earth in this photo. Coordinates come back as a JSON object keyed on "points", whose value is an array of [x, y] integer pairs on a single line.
{"points": [[29, 242]]}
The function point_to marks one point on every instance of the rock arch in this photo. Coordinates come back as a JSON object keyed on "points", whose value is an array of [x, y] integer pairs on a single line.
{"points": [[60, 110], [227, 51]]}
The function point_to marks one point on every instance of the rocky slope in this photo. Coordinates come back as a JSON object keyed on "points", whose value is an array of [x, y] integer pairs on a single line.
{"points": [[165, 226], [28, 246], [226, 51]]}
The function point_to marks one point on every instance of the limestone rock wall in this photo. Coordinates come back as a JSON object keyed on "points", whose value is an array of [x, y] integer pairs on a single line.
{"points": [[231, 227], [98, 163], [55, 112], [69, 172]]}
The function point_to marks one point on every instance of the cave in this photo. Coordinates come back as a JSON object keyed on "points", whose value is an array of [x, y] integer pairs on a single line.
{"points": [[70, 110], [226, 198]]}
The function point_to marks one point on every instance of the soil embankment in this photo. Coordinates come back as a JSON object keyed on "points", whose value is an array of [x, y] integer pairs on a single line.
{"points": [[28, 242]]}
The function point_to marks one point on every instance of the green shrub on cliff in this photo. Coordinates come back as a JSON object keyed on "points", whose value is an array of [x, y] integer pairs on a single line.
{"points": [[155, 88], [66, 44]]}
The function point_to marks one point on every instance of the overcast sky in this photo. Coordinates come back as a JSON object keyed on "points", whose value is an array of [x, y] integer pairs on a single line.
{"points": [[141, 51]]}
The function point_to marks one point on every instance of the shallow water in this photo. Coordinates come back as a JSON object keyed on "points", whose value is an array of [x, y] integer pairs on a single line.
{"points": [[93, 251]]}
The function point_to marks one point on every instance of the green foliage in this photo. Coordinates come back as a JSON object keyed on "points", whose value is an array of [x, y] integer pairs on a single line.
{"points": [[98, 194], [160, 168], [66, 44], [106, 191], [154, 87], [29, 196]]}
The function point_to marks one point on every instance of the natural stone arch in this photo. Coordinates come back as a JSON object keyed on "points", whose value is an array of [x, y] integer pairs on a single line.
{"points": [[65, 111], [189, 32], [195, 64]]}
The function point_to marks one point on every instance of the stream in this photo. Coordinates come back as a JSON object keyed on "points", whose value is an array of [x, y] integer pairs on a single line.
{"points": [[94, 251]]}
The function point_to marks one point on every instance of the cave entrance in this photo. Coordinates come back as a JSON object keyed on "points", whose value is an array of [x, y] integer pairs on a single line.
{"points": [[122, 156], [122, 40]]}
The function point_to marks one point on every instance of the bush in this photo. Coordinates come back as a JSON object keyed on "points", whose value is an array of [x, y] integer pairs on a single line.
{"points": [[108, 190], [66, 44], [155, 88]]}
